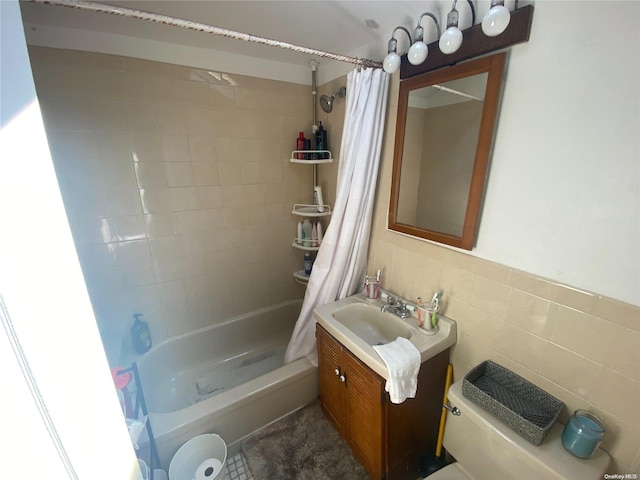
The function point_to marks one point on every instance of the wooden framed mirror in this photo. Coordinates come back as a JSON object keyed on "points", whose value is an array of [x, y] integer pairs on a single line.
{"points": [[444, 135]]}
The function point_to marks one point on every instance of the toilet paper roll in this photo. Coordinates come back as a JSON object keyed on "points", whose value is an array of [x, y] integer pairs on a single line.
{"points": [[208, 470]]}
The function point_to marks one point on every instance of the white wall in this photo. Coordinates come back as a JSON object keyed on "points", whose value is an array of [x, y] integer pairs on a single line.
{"points": [[562, 197]]}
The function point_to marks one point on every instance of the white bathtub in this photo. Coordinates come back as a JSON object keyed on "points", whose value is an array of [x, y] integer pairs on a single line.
{"points": [[217, 358]]}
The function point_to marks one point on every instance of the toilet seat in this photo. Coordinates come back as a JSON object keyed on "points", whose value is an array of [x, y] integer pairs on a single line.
{"points": [[451, 472]]}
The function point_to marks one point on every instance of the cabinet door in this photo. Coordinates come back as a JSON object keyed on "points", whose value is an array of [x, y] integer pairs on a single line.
{"points": [[332, 389], [365, 415]]}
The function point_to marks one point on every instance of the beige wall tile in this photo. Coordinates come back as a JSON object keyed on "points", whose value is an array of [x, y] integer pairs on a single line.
{"points": [[456, 282], [529, 284], [125, 202], [618, 312], [530, 313], [107, 116], [159, 225], [572, 297], [209, 197], [113, 146], [484, 268], [186, 222], [202, 149], [205, 173], [151, 174], [574, 372], [147, 148], [490, 296], [183, 198], [65, 115], [176, 148], [230, 172], [618, 395], [179, 174], [581, 333], [130, 227], [118, 175], [155, 200], [622, 355]]}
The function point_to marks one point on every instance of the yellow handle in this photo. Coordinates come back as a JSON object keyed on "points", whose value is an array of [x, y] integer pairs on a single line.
{"points": [[443, 416]]}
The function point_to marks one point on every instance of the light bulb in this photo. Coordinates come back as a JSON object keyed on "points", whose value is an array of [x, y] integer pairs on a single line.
{"points": [[418, 53], [495, 21], [450, 40], [391, 62]]}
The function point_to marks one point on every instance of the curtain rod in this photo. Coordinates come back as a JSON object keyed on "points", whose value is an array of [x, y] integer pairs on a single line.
{"points": [[202, 27]]}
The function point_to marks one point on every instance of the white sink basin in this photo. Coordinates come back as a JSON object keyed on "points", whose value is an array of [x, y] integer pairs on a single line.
{"points": [[370, 324], [359, 324]]}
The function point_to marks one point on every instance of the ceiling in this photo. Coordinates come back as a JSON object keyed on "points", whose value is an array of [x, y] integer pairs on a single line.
{"points": [[355, 28]]}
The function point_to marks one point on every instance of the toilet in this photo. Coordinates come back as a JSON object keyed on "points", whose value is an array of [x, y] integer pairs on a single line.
{"points": [[484, 447]]}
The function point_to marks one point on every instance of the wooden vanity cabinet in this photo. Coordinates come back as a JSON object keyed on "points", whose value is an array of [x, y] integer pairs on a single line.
{"points": [[388, 439]]}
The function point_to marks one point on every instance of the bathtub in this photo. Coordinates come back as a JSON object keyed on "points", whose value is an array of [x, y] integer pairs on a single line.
{"points": [[227, 378]]}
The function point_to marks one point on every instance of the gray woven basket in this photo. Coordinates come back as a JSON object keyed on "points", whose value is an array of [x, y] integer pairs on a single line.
{"points": [[526, 408]]}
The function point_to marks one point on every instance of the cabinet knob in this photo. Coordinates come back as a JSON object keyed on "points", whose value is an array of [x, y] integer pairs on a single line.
{"points": [[343, 378], [337, 371]]}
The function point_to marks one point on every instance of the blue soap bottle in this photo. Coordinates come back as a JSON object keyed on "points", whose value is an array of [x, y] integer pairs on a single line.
{"points": [[140, 334]]}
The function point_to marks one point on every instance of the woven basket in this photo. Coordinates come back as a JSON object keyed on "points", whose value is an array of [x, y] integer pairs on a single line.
{"points": [[526, 408]]}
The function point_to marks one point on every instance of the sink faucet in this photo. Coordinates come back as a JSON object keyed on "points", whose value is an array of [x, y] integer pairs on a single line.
{"points": [[396, 306]]}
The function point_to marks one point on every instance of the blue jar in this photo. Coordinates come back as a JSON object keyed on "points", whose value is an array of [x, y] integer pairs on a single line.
{"points": [[583, 434]]}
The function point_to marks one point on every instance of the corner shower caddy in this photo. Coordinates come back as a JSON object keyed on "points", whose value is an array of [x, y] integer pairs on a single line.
{"points": [[307, 210]]}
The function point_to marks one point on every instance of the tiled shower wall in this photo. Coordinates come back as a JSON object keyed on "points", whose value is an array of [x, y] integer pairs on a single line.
{"points": [[177, 186], [580, 346]]}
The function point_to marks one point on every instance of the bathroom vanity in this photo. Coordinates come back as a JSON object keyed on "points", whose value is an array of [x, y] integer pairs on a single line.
{"points": [[388, 439]]}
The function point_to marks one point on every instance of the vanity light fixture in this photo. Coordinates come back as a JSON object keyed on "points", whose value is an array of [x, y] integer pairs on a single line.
{"points": [[391, 62], [419, 50], [496, 19]]}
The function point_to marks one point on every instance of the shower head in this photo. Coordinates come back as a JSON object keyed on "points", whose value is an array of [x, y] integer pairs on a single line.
{"points": [[326, 102]]}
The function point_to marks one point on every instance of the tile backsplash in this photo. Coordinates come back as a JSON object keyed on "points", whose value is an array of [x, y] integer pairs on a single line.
{"points": [[177, 186]]}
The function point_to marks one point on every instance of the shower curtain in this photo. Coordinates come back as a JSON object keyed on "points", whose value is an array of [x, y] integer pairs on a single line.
{"points": [[341, 261]]}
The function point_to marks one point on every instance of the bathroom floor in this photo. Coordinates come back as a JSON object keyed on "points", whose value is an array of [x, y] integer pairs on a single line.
{"points": [[237, 468]]}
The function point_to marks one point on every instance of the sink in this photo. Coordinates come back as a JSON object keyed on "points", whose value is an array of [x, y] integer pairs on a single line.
{"points": [[358, 323], [370, 324]]}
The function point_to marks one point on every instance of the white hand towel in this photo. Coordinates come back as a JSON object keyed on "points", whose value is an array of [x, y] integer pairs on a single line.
{"points": [[402, 359]]}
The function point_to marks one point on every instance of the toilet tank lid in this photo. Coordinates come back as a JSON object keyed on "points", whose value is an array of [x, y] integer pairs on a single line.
{"points": [[550, 455]]}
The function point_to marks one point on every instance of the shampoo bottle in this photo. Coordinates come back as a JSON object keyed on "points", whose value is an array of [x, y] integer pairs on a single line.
{"points": [[140, 334], [300, 145], [300, 235], [321, 141]]}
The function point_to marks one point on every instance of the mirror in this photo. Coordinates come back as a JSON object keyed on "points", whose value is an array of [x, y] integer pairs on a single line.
{"points": [[444, 134]]}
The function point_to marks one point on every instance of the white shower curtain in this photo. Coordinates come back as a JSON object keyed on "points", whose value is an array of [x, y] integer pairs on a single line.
{"points": [[340, 265]]}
